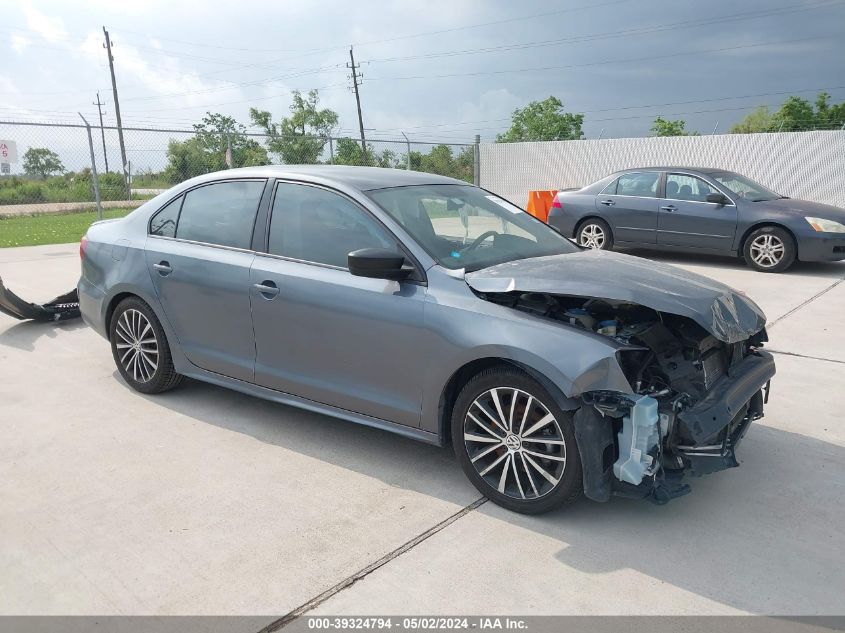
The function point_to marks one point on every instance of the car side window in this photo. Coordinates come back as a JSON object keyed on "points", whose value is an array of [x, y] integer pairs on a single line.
{"points": [[642, 184], [316, 225], [221, 213], [163, 223], [610, 189], [685, 187]]}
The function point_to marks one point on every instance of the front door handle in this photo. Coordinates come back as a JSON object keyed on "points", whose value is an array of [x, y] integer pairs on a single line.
{"points": [[607, 203], [164, 268], [267, 289], [668, 207]]}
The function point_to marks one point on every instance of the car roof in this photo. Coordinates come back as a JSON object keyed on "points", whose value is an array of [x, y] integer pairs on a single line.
{"points": [[702, 170], [361, 178]]}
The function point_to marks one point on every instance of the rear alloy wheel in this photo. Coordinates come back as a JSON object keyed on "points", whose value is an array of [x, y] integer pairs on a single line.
{"points": [[140, 348], [769, 249], [595, 234], [515, 445]]}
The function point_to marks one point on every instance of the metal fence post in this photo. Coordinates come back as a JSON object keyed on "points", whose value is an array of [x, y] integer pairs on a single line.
{"points": [[476, 161], [408, 152], [94, 176]]}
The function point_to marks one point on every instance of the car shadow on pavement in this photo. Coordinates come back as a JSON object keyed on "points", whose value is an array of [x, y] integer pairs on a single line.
{"points": [[833, 270], [396, 460], [23, 335], [764, 538]]}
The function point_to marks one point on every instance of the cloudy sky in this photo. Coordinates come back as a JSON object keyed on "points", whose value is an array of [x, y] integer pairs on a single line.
{"points": [[440, 69]]}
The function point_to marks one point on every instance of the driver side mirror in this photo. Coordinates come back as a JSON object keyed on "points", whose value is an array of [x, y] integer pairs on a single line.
{"points": [[378, 263], [717, 198]]}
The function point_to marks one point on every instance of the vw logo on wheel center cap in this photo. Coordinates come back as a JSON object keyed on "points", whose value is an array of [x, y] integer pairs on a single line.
{"points": [[513, 442]]}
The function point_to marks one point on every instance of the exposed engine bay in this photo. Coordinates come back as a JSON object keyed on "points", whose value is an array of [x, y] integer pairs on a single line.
{"points": [[693, 395]]}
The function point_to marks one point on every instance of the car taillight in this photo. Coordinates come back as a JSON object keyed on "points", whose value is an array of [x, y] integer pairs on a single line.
{"points": [[83, 244], [556, 204]]}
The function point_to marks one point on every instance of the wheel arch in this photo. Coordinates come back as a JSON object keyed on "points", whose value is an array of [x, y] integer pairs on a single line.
{"points": [[587, 218], [466, 372], [760, 225], [112, 306]]}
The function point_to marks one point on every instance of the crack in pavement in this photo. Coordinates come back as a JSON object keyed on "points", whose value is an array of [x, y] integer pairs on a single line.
{"points": [[363, 573], [827, 360], [805, 303]]}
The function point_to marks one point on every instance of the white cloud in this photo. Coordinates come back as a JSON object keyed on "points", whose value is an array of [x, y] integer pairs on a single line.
{"points": [[159, 74], [19, 43], [50, 28]]}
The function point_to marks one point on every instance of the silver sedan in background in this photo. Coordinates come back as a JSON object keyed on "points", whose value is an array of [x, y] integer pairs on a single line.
{"points": [[708, 211], [434, 309]]}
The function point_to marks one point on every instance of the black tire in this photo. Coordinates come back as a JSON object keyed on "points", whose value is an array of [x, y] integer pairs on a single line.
{"points": [[152, 371], [594, 233], [779, 258], [518, 483]]}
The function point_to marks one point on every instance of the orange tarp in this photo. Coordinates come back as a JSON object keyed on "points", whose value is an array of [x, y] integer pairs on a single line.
{"points": [[539, 203]]}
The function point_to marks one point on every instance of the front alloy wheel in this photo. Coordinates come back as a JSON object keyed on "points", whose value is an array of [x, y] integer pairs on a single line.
{"points": [[769, 249], [514, 443]]}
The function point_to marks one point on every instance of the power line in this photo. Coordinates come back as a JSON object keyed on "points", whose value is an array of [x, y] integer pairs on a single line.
{"points": [[608, 61], [632, 107], [745, 15]]}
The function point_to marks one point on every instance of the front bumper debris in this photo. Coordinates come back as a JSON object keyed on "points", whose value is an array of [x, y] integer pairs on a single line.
{"points": [[702, 439], [61, 308]]}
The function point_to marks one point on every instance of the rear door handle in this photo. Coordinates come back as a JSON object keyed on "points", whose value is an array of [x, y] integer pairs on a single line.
{"points": [[267, 289], [163, 268], [607, 203], [668, 207]]}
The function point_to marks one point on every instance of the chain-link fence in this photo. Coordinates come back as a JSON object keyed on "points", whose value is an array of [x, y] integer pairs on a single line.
{"points": [[48, 167]]}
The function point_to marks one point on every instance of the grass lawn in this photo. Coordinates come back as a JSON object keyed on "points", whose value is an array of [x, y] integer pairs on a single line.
{"points": [[50, 229]]}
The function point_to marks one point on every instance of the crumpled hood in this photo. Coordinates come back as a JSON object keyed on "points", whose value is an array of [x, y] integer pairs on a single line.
{"points": [[722, 311]]}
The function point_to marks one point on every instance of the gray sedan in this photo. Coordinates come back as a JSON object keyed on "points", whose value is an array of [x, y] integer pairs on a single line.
{"points": [[421, 305], [711, 211]]}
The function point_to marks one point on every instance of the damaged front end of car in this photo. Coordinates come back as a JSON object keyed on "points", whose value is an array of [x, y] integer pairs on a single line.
{"points": [[690, 350]]}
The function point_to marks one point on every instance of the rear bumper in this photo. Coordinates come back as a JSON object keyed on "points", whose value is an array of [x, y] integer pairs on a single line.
{"points": [[821, 247], [92, 306]]}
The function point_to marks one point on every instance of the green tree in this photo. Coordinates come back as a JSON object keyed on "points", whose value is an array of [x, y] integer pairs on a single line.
{"points": [[42, 162], [797, 114], [543, 121], [347, 151], [301, 137], [758, 120], [206, 151], [668, 127]]}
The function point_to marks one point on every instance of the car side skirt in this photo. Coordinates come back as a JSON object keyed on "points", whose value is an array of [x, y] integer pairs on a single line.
{"points": [[309, 405]]}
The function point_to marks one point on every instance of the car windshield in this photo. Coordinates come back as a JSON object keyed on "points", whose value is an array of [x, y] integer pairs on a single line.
{"points": [[744, 187], [462, 226]]}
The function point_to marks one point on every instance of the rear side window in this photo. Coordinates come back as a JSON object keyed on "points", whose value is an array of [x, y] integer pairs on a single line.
{"points": [[163, 223], [610, 190], [641, 184], [221, 213]]}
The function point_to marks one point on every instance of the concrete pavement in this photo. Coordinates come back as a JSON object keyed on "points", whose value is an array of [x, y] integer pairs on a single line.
{"points": [[207, 501]]}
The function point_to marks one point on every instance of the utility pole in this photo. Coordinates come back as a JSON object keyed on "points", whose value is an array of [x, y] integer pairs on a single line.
{"points": [[102, 131], [107, 46], [356, 81]]}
